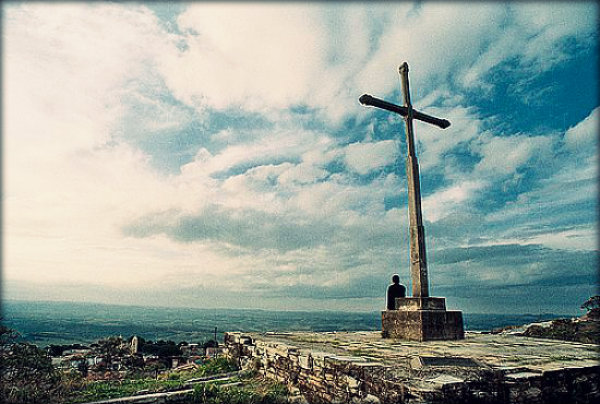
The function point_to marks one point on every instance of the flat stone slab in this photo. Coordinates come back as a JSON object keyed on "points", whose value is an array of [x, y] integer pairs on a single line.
{"points": [[420, 362]]}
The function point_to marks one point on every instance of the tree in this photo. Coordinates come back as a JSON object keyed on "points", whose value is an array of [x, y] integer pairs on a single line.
{"points": [[161, 348], [156, 367], [83, 367], [591, 303], [55, 350], [26, 372], [112, 347]]}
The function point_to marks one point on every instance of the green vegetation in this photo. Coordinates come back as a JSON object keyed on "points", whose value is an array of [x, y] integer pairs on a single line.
{"points": [[251, 392], [208, 368], [244, 390], [159, 348], [218, 365], [112, 347], [26, 372], [593, 303], [106, 389], [27, 375]]}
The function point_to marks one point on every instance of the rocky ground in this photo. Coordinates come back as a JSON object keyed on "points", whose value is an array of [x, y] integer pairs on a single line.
{"points": [[585, 329]]}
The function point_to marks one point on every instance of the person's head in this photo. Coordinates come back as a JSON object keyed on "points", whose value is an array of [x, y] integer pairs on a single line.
{"points": [[396, 279]]}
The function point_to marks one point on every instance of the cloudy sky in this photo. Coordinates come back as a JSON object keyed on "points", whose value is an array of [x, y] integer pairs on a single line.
{"points": [[216, 155]]}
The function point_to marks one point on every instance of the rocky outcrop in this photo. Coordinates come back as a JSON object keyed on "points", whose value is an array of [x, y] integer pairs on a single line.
{"points": [[585, 330]]}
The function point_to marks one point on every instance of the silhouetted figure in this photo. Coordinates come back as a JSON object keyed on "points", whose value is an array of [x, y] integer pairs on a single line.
{"points": [[395, 290]]}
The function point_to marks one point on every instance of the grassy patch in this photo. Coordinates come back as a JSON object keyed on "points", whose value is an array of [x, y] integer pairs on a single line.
{"points": [[210, 367], [251, 392], [106, 389], [102, 390]]}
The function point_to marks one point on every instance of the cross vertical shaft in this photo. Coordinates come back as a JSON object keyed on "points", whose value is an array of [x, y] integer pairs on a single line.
{"points": [[420, 317], [418, 260]]}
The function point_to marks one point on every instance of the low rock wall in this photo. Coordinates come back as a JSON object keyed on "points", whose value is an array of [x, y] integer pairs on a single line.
{"points": [[320, 377]]}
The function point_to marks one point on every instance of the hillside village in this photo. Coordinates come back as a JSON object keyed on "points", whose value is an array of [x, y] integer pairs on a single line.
{"points": [[115, 357]]}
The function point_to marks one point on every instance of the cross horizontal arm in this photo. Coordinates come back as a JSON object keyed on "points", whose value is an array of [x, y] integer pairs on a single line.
{"points": [[371, 101]]}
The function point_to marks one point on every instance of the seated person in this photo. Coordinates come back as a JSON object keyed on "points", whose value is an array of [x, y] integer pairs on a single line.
{"points": [[395, 290]]}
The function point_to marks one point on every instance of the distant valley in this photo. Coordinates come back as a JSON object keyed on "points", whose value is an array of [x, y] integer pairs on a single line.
{"points": [[45, 323]]}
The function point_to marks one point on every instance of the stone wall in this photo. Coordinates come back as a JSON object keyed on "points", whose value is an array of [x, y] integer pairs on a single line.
{"points": [[329, 378], [320, 377]]}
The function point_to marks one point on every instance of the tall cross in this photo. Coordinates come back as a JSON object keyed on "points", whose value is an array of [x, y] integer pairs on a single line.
{"points": [[418, 260]]}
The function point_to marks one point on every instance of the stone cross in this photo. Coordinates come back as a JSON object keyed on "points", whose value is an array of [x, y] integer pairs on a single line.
{"points": [[418, 260]]}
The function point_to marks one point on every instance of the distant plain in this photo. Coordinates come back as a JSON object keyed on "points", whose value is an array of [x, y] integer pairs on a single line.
{"points": [[44, 323]]}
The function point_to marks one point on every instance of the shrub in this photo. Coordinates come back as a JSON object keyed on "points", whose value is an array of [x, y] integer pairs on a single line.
{"points": [[26, 372]]}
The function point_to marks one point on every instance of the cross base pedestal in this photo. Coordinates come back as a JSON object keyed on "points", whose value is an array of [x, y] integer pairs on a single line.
{"points": [[422, 319]]}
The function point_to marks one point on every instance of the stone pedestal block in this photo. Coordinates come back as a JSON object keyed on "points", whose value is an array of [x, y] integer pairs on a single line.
{"points": [[422, 319], [420, 303]]}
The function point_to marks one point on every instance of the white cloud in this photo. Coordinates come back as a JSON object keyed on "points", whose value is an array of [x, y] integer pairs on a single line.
{"points": [[272, 56], [450, 200], [302, 174], [67, 188], [435, 41], [254, 56], [583, 137], [71, 62], [558, 212], [545, 29], [264, 146], [504, 155], [535, 35], [435, 144], [366, 157], [573, 239]]}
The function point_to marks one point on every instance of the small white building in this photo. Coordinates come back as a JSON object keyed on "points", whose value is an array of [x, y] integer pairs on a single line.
{"points": [[135, 344]]}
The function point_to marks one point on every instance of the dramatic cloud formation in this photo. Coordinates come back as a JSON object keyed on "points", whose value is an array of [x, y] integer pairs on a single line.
{"points": [[216, 155]]}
